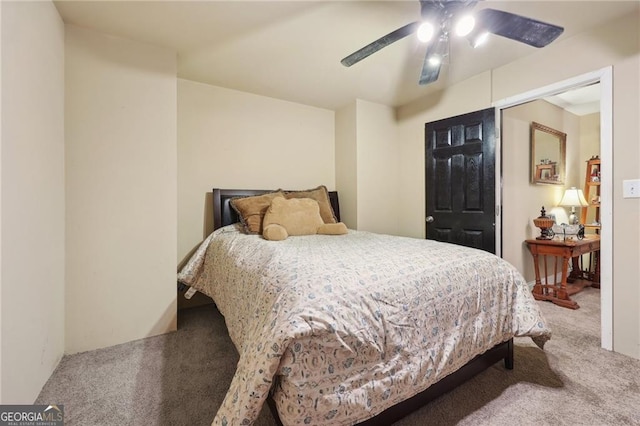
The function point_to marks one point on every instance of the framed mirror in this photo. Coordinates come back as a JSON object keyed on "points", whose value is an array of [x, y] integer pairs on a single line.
{"points": [[548, 149]]}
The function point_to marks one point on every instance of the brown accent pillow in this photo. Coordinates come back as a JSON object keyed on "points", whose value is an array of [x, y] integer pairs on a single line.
{"points": [[252, 209], [321, 195], [300, 216]]}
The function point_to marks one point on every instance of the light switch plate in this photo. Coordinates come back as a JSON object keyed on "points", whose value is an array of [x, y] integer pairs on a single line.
{"points": [[631, 188]]}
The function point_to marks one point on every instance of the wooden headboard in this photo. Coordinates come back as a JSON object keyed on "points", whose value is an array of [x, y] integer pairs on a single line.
{"points": [[224, 214]]}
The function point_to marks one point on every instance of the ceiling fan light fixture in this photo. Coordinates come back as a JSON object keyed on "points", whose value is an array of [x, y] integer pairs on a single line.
{"points": [[434, 60], [425, 32], [439, 18], [465, 25]]}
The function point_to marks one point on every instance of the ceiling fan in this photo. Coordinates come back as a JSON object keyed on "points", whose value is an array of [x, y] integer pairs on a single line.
{"points": [[442, 18]]}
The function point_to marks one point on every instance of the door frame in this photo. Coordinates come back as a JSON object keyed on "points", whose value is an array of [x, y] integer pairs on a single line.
{"points": [[604, 76]]}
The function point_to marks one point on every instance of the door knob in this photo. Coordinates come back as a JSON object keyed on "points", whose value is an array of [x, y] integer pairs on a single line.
{"points": [[429, 219]]}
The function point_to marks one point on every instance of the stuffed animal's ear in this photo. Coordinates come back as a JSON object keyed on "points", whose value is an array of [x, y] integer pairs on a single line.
{"points": [[333, 229], [274, 232]]}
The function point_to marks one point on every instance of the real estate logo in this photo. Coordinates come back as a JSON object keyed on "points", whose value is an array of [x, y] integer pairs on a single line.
{"points": [[31, 415]]}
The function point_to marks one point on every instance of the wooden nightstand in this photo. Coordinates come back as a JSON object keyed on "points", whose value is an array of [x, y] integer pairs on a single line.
{"points": [[560, 292]]}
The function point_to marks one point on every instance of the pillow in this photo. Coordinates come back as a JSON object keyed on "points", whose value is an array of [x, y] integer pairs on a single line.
{"points": [[298, 216], [321, 195], [251, 210]]}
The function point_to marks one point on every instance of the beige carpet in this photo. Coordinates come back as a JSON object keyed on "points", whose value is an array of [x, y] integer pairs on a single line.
{"points": [[181, 378]]}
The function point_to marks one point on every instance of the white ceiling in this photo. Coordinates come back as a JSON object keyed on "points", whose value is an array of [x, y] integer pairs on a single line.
{"points": [[291, 50], [580, 101]]}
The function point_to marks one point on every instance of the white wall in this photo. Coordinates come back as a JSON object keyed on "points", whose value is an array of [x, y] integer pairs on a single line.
{"points": [[231, 139], [121, 183], [377, 168], [368, 166], [32, 198], [347, 164], [626, 211]]}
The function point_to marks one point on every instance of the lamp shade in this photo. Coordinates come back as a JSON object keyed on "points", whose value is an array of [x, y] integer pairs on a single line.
{"points": [[573, 197]]}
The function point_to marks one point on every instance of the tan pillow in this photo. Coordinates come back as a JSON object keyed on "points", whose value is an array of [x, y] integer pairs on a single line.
{"points": [[252, 209], [298, 216], [321, 195]]}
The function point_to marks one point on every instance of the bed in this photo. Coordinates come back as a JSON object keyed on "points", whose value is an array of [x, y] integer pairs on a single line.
{"points": [[360, 328]]}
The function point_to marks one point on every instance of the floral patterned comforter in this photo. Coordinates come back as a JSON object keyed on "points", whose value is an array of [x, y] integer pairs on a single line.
{"points": [[343, 327]]}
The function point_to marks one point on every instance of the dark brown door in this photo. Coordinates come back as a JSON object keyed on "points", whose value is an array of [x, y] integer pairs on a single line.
{"points": [[460, 180]]}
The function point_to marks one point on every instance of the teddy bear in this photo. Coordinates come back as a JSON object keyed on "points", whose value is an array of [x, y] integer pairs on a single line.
{"points": [[296, 216]]}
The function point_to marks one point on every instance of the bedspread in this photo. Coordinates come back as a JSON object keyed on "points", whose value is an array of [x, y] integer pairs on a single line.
{"points": [[343, 327]]}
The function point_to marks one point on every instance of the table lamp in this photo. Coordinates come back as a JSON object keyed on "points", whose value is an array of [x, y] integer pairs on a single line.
{"points": [[573, 197]]}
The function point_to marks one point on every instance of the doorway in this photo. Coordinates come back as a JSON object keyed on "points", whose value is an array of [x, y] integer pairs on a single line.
{"points": [[604, 77]]}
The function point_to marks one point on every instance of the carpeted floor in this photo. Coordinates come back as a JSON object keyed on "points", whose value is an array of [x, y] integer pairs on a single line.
{"points": [[181, 379]]}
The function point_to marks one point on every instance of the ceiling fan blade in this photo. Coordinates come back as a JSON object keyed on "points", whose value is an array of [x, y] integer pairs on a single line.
{"points": [[384, 41], [519, 28], [429, 73], [430, 69]]}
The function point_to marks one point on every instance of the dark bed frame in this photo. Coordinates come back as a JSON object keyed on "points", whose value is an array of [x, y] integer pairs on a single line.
{"points": [[224, 214]]}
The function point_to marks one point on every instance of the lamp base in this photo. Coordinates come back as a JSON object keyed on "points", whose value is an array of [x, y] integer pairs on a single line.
{"points": [[573, 218]]}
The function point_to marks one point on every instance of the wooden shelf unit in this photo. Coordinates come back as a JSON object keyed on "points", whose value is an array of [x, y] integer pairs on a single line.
{"points": [[592, 194]]}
